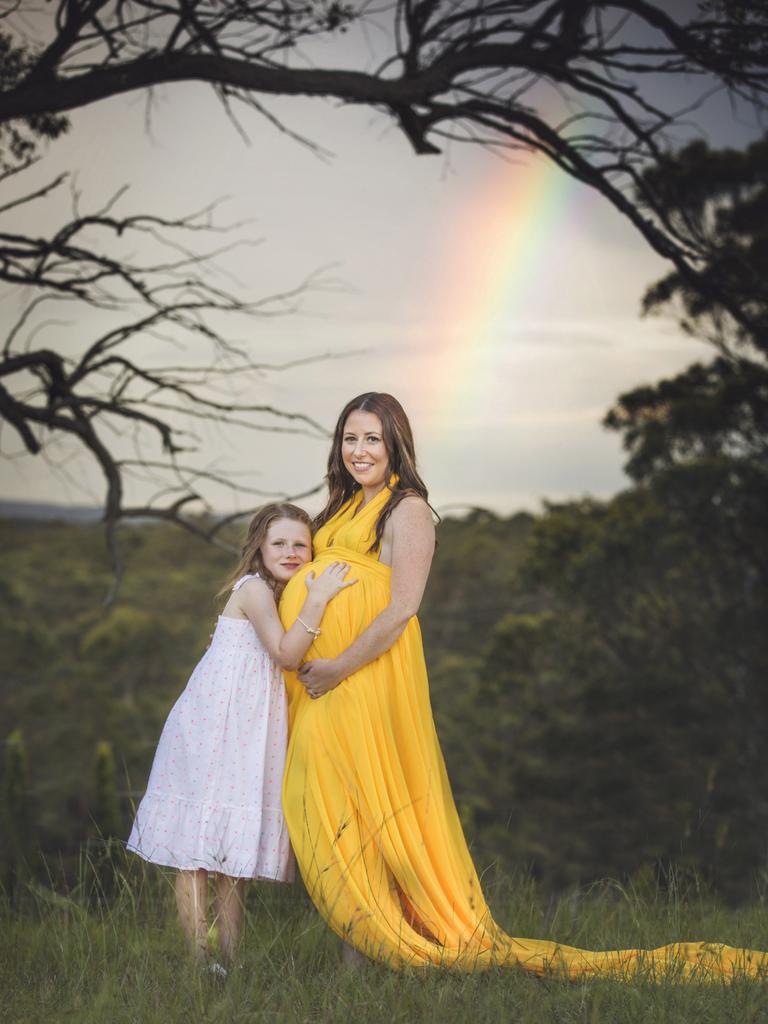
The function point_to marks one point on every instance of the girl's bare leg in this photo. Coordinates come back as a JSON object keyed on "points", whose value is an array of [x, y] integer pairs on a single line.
{"points": [[192, 902], [229, 908]]}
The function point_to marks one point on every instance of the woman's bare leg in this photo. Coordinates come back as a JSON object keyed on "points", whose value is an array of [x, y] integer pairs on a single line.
{"points": [[192, 902], [229, 910]]}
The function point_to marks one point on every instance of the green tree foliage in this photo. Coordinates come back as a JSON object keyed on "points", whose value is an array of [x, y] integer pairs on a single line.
{"points": [[718, 201], [130, 648], [470, 585], [623, 727], [15, 815], [663, 665], [719, 198], [76, 674], [492, 740], [25, 642], [708, 411], [107, 818], [106, 843]]}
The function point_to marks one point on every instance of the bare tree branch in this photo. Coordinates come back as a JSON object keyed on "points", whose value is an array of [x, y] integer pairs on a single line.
{"points": [[102, 386], [464, 70]]}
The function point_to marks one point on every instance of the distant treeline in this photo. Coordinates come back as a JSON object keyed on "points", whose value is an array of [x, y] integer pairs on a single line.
{"points": [[598, 679]]}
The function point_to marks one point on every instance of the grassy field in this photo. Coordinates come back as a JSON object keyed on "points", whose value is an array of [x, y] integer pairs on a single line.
{"points": [[74, 958]]}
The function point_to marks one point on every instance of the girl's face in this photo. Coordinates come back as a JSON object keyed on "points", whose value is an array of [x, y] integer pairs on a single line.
{"points": [[287, 546], [363, 450]]}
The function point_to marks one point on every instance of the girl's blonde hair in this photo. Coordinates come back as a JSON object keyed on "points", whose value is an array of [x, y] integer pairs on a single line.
{"points": [[250, 554]]}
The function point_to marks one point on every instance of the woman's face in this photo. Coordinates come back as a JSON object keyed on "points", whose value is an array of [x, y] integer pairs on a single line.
{"points": [[363, 451], [287, 546]]}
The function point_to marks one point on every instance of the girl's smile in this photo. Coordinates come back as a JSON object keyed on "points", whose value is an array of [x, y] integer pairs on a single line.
{"points": [[288, 546]]}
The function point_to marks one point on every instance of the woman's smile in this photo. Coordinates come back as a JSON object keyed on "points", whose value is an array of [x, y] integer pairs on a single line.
{"points": [[364, 452]]}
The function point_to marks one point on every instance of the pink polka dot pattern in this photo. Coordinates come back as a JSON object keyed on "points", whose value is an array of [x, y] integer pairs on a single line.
{"points": [[213, 796]]}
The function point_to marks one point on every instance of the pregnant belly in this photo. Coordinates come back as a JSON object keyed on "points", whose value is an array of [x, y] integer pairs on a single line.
{"points": [[350, 612], [314, 724]]}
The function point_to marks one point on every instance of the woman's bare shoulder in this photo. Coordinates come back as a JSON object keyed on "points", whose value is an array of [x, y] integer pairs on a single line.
{"points": [[412, 511]]}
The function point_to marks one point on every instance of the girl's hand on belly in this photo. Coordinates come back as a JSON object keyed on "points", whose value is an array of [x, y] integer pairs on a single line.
{"points": [[319, 676]]}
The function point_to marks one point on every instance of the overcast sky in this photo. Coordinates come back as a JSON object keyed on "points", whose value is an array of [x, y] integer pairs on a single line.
{"points": [[498, 302]]}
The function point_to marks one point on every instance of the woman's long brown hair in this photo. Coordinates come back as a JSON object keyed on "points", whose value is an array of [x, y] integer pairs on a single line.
{"points": [[398, 441], [250, 554]]}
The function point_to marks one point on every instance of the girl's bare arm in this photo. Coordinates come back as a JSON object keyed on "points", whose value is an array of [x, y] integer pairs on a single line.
{"points": [[288, 647]]}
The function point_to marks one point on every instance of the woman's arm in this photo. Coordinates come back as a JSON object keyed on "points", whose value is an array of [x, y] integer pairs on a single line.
{"points": [[412, 534], [288, 647]]}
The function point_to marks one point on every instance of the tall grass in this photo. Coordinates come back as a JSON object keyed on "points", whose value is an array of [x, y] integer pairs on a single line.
{"points": [[108, 949]]}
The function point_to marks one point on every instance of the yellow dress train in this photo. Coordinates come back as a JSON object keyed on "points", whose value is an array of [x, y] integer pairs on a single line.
{"points": [[371, 815]]}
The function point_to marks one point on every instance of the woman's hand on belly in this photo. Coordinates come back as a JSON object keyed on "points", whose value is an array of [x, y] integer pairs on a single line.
{"points": [[319, 676]]}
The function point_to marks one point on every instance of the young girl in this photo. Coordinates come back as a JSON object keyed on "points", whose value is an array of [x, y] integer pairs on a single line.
{"points": [[213, 798]]}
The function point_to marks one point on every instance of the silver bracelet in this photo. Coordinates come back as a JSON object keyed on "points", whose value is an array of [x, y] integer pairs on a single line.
{"points": [[309, 629]]}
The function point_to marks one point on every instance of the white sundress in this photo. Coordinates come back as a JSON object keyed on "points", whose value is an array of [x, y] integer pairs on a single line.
{"points": [[213, 799]]}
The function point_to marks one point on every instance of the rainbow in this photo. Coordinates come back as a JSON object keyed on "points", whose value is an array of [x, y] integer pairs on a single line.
{"points": [[493, 266]]}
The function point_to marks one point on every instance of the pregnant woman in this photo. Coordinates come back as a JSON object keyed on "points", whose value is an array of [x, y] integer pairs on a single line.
{"points": [[366, 795]]}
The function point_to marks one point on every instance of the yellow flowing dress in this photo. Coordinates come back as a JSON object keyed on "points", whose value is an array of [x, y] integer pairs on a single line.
{"points": [[370, 811]]}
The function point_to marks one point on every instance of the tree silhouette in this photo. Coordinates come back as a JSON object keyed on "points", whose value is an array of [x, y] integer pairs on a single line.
{"points": [[97, 392], [479, 72], [717, 410], [570, 79]]}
